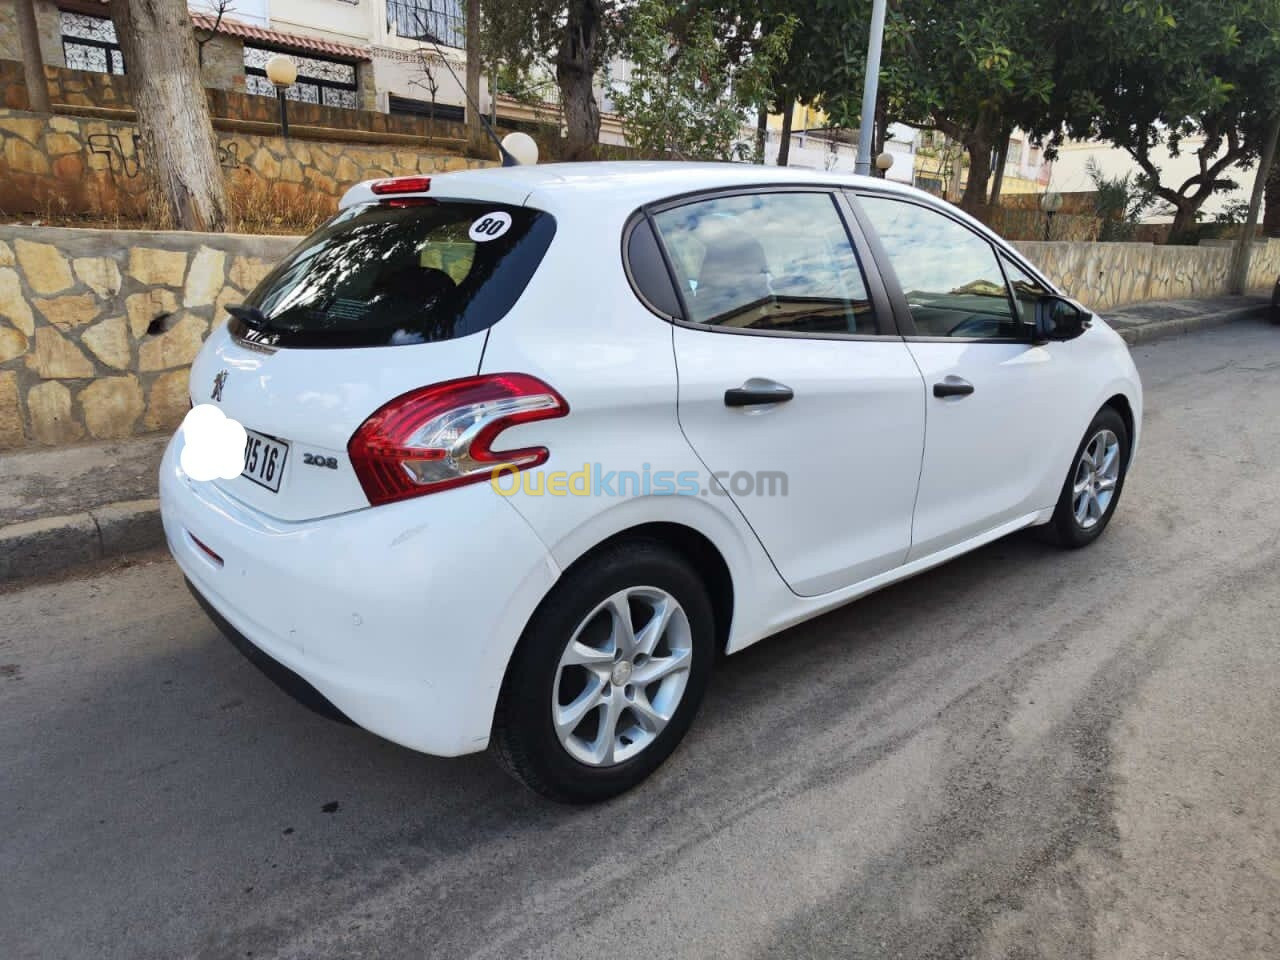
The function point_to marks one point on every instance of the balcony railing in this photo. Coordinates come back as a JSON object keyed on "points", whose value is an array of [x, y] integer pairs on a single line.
{"points": [[440, 21]]}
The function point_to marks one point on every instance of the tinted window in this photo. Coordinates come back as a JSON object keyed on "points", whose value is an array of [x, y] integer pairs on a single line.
{"points": [[779, 261], [949, 274], [649, 272], [400, 272]]}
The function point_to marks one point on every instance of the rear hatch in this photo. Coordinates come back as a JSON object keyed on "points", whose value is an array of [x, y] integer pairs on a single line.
{"points": [[385, 298]]}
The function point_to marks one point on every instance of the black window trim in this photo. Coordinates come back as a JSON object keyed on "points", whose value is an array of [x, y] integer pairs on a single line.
{"points": [[902, 311], [876, 289]]}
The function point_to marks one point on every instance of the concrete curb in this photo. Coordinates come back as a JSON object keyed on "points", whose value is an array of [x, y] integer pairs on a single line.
{"points": [[1175, 326], [36, 548]]}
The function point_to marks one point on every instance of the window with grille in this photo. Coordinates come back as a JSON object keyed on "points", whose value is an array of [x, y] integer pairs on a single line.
{"points": [[328, 82], [89, 43], [440, 21]]}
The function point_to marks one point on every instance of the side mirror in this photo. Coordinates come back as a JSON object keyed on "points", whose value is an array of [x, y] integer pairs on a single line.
{"points": [[1058, 318]]}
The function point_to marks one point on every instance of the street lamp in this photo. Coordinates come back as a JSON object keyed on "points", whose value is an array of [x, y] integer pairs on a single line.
{"points": [[1050, 203], [283, 74], [521, 147], [883, 162]]}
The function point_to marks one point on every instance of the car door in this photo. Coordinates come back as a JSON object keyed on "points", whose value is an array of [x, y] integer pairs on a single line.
{"points": [[795, 390], [991, 434]]}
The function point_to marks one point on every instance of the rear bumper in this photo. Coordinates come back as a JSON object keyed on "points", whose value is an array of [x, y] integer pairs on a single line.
{"points": [[401, 618]]}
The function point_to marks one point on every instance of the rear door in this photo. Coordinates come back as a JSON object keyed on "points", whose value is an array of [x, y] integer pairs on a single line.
{"points": [[795, 390], [994, 399], [385, 298]]}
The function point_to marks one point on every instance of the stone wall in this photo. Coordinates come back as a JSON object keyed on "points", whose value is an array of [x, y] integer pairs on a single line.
{"points": [[1107, 275], [66, 166], [76, 361]]}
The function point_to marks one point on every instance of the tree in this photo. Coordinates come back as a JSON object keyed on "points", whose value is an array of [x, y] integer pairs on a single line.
{"points": [[573, 38], [475, 129], [691, 99], [1188, 75], [218, 9], [32, 58], [159, 49]]}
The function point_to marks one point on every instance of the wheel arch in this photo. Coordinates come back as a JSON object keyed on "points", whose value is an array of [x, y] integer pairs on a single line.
{"points": [[698, 549], [1120, 403]]}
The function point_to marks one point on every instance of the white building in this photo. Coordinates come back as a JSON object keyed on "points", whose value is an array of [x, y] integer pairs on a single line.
{"points": [[1070, 173]]}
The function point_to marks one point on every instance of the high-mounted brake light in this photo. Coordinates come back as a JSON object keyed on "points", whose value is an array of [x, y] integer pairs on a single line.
{"points": [[441, 436], [396, 185]]}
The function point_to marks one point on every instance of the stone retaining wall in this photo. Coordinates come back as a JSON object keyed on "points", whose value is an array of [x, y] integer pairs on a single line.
{"points": [[1106, 275], [63, 166], [76, 361]]}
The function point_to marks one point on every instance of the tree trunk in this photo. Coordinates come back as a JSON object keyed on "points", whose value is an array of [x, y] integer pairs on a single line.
{"points": [[475, 129], [878, 134], [762, 132], [975, 189], [1002, 158], [178, 145], [32, 58], [784, 143], [575, 73], [1184, 219], [1271, 219], [1244, 245]]}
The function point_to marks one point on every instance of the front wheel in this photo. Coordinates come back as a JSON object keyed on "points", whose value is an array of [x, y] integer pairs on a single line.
{"points": [[608, 675], [1092, 488]]}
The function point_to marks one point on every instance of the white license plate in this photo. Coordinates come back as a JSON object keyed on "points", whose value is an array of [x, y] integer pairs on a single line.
{"points": [[264, 459]]}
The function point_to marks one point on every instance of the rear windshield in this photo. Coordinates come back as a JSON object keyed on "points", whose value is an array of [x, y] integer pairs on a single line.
{"points": [[404, 271]]}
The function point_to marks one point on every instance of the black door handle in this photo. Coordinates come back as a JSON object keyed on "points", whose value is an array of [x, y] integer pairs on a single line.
{"points": [[758, 390], [952, 387]]}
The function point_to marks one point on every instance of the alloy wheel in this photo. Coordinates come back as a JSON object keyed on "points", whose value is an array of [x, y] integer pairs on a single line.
{"points": [[1096, 477], [621, 676]]}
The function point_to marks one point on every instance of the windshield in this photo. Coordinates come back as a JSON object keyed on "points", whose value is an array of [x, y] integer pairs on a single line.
{"points": [[412, 270]]}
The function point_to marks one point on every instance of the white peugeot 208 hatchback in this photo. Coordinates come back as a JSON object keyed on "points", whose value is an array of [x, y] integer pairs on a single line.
{"points": [[526, 447]]}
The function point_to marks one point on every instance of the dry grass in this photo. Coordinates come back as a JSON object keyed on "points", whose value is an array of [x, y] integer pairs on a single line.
{"points": [[257, 206]]}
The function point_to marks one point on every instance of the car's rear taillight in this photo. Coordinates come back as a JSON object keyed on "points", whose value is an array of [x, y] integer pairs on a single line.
{"points": [[441, 436]]}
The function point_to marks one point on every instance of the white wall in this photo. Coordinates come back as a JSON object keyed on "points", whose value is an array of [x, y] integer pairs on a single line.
{"points": [[1069, 173], [246, 11], [333, 20]]}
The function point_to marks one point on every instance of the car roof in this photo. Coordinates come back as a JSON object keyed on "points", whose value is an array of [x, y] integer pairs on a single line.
{"points": [[629, 182]]}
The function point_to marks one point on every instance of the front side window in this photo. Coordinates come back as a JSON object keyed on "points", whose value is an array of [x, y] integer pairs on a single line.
{"points": [[949, 275], [1027, 293], [399, 272], [780, 262]]}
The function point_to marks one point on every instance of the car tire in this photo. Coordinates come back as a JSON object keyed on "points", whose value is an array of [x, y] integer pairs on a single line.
{"points": [[625, 729], [1072, 526]]}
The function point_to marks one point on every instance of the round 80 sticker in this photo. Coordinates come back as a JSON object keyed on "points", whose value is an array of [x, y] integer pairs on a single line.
{"points": [[490, 227]]}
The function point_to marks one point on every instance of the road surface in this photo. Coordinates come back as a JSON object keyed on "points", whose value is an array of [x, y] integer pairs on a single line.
{"points": [[1025, 753]]}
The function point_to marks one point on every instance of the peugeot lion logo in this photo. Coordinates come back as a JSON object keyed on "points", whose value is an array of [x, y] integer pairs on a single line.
{"points": [[218, 382]]}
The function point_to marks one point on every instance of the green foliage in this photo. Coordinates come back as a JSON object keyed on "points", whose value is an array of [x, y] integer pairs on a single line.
{"points": [[1192, 75], [1120, 202], [690, 99]]}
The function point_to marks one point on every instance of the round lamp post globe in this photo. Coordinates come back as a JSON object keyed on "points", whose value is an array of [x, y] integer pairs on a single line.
{"points": [[283, 74], [884, 161], [522, 147], [282, 71]]}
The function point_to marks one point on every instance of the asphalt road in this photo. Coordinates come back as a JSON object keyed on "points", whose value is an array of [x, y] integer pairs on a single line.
{"points": [[1025, 753]]}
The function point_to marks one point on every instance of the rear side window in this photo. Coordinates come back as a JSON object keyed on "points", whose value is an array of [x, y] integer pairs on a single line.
{"points": [[406, 271], [780, 262]]}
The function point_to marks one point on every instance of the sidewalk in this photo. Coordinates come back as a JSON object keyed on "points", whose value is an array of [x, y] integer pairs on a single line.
{"points": [[64, 506]]}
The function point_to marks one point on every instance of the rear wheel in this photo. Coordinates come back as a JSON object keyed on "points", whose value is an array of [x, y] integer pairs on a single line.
{"points": [[1092, 488], [608, 675]]}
